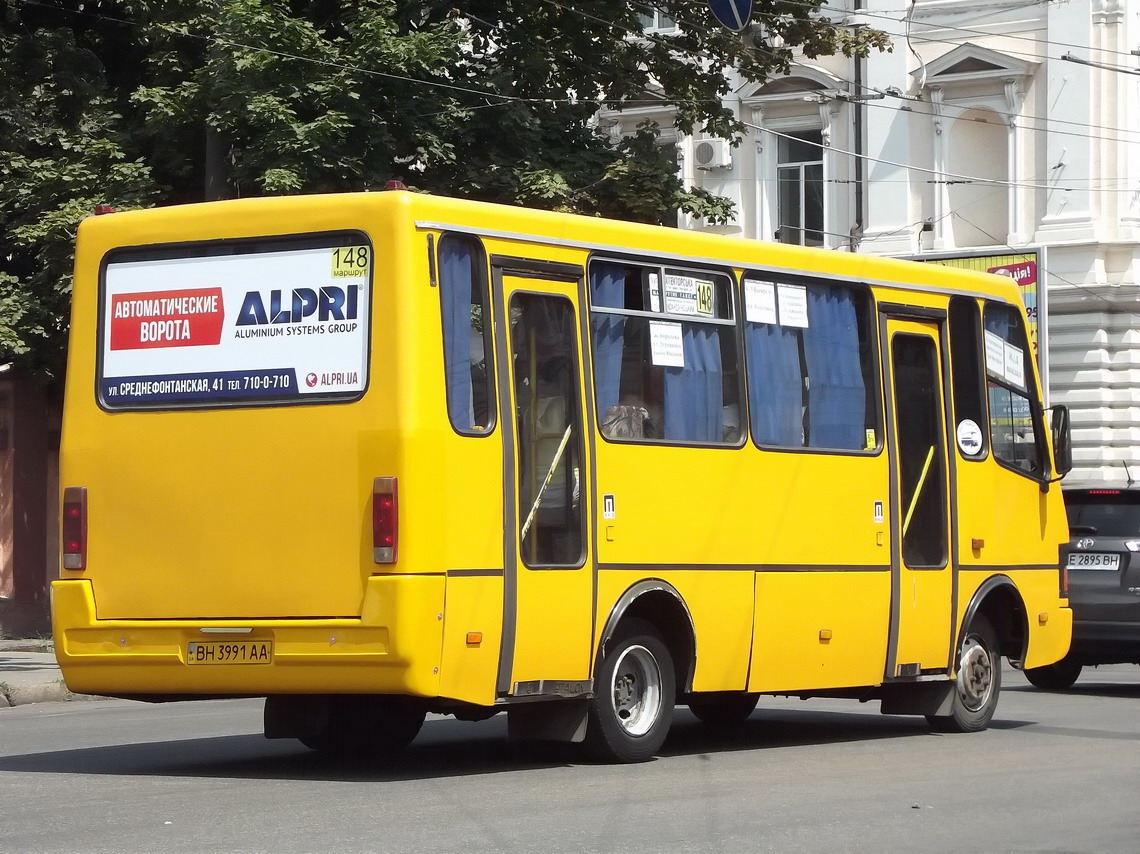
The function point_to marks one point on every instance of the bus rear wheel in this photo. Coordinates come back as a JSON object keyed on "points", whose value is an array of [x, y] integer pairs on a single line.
{"points": [[722, 709], [978, 684], [1054, 677], [632, 707], [375, 726]]}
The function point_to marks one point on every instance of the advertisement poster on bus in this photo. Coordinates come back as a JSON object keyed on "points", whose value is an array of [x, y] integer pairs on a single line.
{"points": [[254, 327]]}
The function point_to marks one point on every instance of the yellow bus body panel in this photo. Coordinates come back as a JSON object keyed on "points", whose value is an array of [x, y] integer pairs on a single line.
{"points": [[720, 606], [468, 667], [839, 642]]}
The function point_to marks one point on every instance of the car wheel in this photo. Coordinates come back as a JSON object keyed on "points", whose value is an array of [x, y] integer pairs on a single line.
{"points": [[978, 683], [723, 709], [635, 691], [1054, 677]]}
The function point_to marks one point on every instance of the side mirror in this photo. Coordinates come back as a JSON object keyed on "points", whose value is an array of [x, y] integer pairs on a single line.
{"points": [[1062, 441]]}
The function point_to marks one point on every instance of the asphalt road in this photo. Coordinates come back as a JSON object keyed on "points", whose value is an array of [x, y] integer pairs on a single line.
{"points": [[1056, 772]]}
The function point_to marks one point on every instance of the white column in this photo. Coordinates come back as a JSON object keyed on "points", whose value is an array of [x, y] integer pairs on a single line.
{"points": [[941, 192], [1016, 195], [886, 189], [1069, 159]]}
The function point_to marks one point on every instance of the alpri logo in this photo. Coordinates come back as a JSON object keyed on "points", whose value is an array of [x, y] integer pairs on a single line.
{"points": [[329, 303]]}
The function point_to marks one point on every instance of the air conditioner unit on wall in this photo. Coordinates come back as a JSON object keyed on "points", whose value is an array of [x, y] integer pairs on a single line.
{"points": [[713, 154]]}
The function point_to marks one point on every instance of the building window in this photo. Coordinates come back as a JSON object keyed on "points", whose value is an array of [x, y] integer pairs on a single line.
{"points": [[656, 21], [799, 181]]}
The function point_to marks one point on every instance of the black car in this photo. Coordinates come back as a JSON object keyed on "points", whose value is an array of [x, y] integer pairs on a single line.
{"points": [[1103, 563]]}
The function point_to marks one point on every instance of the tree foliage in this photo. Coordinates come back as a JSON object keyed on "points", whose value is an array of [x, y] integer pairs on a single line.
{"points": [[138, 102]]}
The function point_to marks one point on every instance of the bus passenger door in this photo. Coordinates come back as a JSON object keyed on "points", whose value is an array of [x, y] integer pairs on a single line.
{"points": [[922, 572], [549, 579]]}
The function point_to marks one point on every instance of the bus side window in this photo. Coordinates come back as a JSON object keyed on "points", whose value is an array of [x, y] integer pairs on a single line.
{"points": [[664, 354], [466, 337], [968, 377], [1013, 424], [809, 357]]}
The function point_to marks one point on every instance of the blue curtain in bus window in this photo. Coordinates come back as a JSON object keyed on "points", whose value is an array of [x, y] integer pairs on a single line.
{"points": [[837, 399], [775, 384], [694, 394], [456, 263], [607, 288]]}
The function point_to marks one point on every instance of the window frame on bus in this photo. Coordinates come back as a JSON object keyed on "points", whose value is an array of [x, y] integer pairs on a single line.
{"points": [[480, 279], [1027, 391], [867, 346], [724, 317]]}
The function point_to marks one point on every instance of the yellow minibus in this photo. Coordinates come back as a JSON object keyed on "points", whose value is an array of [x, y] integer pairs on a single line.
{"points": [[376, 455]]}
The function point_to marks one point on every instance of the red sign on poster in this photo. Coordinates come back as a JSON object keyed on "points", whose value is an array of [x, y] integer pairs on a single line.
{"points": [[188, 318]]}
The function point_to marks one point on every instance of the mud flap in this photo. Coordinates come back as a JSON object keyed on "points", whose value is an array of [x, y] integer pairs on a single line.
{"points": [[556, 720], [919, 698]]}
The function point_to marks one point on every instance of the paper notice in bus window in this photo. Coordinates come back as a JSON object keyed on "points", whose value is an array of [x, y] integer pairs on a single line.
{"points": [[680, 295], [759, 301], [995, 354], [665, 341], [654, 293], [1015, 365], [793, 306]]}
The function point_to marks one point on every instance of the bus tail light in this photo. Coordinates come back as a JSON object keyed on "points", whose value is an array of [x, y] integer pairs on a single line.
{"points": [[75, 527], [384, 520]]}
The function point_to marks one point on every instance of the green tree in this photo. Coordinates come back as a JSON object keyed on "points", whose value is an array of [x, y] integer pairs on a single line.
{"points": [[135, 102], [62, 150]]}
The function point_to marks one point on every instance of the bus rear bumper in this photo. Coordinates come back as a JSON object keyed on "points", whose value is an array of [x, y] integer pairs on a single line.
{"points": [[393, 648]]}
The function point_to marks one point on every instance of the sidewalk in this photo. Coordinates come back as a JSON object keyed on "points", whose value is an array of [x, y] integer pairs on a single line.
{"points": [[29, 674]]}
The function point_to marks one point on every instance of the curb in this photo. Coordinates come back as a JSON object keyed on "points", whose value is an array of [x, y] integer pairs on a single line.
{"points": [[16, 695]]}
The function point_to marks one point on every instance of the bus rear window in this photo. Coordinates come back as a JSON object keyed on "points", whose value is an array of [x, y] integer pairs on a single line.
{"points": [[244, 322]]}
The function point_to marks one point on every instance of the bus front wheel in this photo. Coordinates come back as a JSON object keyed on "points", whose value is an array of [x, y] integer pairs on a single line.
{"points": [[978, 682], [632, 707]]}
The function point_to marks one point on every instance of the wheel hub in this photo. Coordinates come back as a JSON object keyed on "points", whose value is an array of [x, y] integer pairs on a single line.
{"points": [[975, 675], [637, 700]]}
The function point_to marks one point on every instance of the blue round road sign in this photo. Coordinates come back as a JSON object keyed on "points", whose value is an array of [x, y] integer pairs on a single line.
{"points": [[734, 14]]}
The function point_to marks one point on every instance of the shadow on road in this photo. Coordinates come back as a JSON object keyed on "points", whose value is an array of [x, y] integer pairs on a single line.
{"points": [[1091, 688], [447, 748]]}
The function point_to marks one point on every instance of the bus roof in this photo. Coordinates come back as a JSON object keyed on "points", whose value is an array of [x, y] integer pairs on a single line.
{"points": [[237, 218]]}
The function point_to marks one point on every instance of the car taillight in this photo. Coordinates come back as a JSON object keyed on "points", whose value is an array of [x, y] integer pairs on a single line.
{"points": [[384, 520], [75, 527]]}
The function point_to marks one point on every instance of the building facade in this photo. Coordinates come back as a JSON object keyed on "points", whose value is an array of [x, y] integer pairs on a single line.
{"points": [[1002, 135]]}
